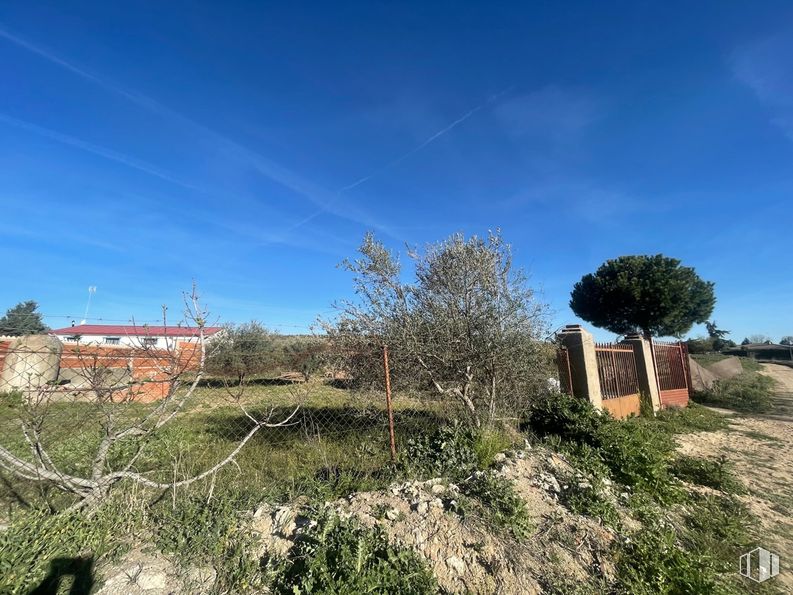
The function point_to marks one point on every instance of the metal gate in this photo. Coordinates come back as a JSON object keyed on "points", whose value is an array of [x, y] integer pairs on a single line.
{"points": [[619, 383], [671, 365]]}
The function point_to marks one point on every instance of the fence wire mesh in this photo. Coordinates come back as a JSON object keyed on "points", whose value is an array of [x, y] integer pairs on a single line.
{"points": [[86, 415]]}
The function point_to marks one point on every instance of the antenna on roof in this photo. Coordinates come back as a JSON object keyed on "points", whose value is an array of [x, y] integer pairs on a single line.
{"points": [[91, 292]]}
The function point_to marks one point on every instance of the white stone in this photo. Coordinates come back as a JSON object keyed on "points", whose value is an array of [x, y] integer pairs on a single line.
{"points": [[150, 579], [456, 564]]}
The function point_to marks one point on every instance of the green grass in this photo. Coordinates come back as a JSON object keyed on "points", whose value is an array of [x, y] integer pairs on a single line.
{"points": [[749, 392], [749, 364], [713, 473], [337, 442], [340, 556]]}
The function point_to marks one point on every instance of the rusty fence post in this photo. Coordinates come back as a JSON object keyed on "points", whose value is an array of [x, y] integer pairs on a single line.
{"points": [[388, 403]]}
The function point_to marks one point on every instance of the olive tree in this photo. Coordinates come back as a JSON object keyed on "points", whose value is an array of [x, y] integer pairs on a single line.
{"points": [[241, 351], [467, 326], [652, 294]]}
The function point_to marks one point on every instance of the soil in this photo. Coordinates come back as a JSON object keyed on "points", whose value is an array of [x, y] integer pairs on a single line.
{"points": [[465, 554], [760, 449]]}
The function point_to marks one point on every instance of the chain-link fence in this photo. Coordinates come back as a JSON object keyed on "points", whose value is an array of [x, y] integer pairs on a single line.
{"points": [[80, 416]]}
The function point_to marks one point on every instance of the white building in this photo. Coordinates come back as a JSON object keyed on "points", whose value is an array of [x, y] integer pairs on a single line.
{"points": [[131, 335]]}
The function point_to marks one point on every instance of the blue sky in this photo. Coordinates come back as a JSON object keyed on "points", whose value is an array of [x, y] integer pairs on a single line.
{"points": [[250, 145]]}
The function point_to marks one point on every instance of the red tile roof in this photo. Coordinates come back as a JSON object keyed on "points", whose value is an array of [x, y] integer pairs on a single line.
{"points": [[128, 330]]}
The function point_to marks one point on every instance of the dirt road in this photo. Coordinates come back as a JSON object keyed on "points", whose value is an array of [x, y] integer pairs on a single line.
{"points": [[761, 451]]}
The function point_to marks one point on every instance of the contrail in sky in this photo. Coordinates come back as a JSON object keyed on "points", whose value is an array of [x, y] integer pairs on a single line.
{"points": [[400, 159], [321, 197], [424, 143], [324, 199], [96, 150]]}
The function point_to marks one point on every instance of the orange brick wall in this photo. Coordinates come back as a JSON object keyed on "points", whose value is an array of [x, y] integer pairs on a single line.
{"points": [[148, 367]]}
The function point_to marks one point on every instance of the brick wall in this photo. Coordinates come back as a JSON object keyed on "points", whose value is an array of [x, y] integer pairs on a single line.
{"points": [[145, 370]]}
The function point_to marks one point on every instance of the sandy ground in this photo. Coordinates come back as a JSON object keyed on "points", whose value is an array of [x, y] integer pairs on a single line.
{"points": [[761, 451]]}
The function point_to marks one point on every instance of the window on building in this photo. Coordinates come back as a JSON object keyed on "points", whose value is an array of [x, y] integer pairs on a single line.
{"points": [[112, 340], [73, 338], [149, 341]]}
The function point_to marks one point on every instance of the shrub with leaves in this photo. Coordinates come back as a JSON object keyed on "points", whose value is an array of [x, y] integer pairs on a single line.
{"points": [[713, 473], [585, 491], [638, 455], [570, 418], [340, 556], [450, 451], [748, 392]]}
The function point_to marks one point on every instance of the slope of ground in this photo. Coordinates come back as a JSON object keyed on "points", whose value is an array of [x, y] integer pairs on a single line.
{"points": [[760, 449]]}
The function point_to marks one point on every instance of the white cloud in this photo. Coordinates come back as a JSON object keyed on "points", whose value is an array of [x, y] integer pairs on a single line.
{"points": [[552, 113], [766, 67]]}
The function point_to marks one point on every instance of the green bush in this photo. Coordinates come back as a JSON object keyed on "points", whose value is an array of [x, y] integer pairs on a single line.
{"points": [[653, 561], [340, 556], [638, 454], [713, 473], [748, 393], [570, 418], [450, 451], [501, 506], [586, 491]]}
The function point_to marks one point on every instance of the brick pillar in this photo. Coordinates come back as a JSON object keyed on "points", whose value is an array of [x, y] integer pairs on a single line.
{"points": [[648, 382], [583, 363]]}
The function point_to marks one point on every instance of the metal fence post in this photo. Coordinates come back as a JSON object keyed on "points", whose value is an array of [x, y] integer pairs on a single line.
{"points": [[388, 403]]}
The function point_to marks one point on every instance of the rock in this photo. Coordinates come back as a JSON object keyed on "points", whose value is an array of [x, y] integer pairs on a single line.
{"points": [[456, 564], [150, 579], [500, 458], [200, 578], [284, 521], [422, 508], [392, 514], [144, 573], [437, 503], [438, 488]]}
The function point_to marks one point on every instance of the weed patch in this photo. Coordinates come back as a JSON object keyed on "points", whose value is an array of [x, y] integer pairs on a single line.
{"points": [[500, 504], [340, 556], [713, 473], [747, 393], [37, 540]]}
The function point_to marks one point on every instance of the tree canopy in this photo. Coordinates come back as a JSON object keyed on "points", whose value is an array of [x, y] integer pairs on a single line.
{"points": [[23, 319], [241, 351], [651, 294], [468, 326]]}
